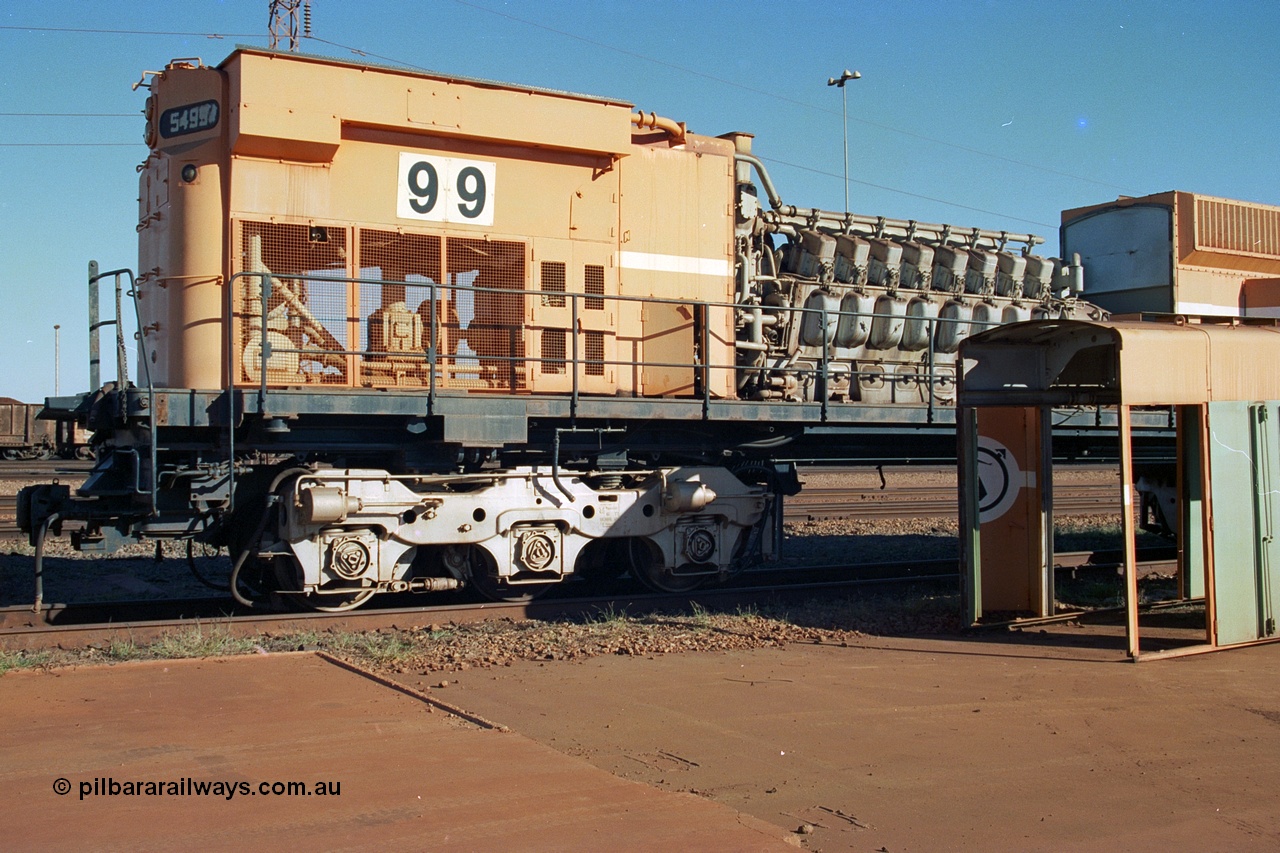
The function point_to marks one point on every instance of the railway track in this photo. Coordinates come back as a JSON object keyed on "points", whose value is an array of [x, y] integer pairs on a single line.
{"points": [[43, 468], [931, 502], [78, 625], [8, 515], [22, 628]]}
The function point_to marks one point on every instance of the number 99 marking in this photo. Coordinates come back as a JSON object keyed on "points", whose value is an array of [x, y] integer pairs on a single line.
{"points": [[423, 186], [445, 189]]}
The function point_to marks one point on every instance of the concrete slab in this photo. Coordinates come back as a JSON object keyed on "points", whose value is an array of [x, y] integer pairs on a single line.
{"points": [[923, 745], [396, 773]]}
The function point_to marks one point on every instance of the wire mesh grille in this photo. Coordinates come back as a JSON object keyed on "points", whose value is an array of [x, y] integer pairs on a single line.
{"points": [[395, 305], [491, 351], [594, 345], [593, 283], [354, 307], [553, 351], [553, 282], [306, 316]]}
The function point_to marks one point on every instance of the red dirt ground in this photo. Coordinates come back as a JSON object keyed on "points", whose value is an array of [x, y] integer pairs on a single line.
{"points": [[911, 745], [886, 745], [410, 777]]}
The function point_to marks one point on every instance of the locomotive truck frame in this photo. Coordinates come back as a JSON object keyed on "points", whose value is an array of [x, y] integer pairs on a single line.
{"points": [[406, 331]]}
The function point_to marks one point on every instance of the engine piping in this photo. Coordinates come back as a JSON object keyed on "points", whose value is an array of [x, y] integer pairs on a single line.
{"points": [[653, 121]]}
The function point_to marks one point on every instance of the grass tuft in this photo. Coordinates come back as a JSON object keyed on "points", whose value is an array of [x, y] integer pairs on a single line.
{"points": [[199, 642], [23, 660]]}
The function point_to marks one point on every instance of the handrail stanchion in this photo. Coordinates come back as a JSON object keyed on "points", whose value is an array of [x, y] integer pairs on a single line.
{"points": [[821, 385], [512, 358], [432, 349], [702, 312], [933, 323], [95, 358], [573, 333], [264, 348], [122, 359], [229, 390]]}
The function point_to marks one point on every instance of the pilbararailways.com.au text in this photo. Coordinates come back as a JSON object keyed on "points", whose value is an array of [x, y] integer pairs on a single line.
{"points": [[188, 787]]}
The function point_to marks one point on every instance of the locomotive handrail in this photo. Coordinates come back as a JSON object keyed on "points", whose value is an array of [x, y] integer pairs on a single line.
{"points": [[228, 374], [122, 363], [95, 359], [818, 377]]}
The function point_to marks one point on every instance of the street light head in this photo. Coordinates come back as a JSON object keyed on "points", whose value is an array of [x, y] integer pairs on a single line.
{"points": [[845, 77]]}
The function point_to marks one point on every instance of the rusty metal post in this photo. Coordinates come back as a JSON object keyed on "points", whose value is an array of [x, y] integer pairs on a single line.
{"points": [[1123, 425], [95, 358]]}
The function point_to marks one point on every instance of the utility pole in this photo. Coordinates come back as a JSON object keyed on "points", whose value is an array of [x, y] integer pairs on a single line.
{"points": [[283, 22], [57, 360], [845, 77]]}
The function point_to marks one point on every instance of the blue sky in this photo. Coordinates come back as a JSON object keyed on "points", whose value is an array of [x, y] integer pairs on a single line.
{"points": [[996, 114]]}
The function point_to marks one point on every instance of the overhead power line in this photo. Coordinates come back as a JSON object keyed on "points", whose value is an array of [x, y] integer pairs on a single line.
{"points": [[74, 115], [93, 31], [603, 46], [71, 144], [911, 194], [783, 98]]}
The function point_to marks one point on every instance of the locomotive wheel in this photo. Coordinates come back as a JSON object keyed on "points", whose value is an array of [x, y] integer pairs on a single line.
{"points": [[484, 580], [647, 567], [287, 573]]}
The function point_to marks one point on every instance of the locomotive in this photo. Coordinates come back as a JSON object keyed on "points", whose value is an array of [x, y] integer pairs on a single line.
{"points": [[403, 331]]}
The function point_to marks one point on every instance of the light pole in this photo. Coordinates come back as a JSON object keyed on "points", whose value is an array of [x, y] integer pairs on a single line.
{"points": [[57, 359], [845, 77]]}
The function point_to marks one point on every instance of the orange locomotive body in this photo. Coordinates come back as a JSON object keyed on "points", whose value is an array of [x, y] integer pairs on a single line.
{"points": [[400, 212]]}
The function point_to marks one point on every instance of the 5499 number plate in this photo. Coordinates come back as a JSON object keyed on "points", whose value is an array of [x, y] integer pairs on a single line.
{"points": [[188, 118]]}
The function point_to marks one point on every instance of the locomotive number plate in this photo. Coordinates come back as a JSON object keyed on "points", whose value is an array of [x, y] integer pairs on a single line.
{"points": [[188, 118], [445, 189]]}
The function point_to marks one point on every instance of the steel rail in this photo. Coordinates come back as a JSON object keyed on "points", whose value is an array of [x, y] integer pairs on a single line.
{"points": [[35, 636], [60, 626], [930, 502]]}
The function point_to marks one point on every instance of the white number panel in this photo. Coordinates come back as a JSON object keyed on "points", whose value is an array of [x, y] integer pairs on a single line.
{"points": [[445, 189]]}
